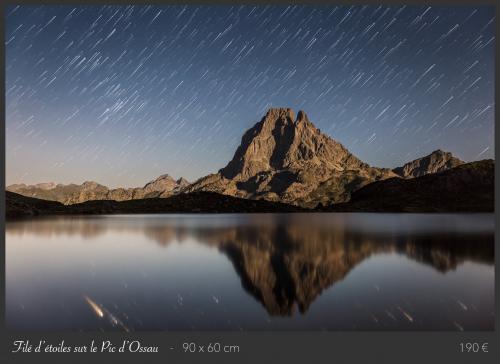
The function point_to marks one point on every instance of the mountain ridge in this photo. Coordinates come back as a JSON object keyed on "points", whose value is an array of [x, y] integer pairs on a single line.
{"points": [[286, 158], [162, 186], [465, 188], [281, 158], [19, 206]]}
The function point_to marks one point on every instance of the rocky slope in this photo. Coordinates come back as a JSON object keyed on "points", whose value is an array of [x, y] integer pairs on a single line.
{"points": [[437, 161], [466, 188], [163, 186], [283, 158]]}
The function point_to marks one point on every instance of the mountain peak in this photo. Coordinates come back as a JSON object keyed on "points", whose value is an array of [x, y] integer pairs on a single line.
{"points": [[182, 182], [302, 116], [46, 185], [163, 184], [279, 112], [285, 115], [437, 161], [91, 184], [281, 149], [163, 176], [288, 159]]}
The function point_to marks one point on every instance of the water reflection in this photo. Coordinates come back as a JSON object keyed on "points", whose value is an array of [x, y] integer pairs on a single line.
{"points": [[286, 261]]}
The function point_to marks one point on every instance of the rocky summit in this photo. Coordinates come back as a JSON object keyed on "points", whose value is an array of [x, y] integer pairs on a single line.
{"points": [[163, 186], [437, 161], [286, 158]]}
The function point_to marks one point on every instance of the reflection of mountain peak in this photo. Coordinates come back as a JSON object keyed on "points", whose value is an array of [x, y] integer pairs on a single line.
{"points": [[287, 261], [285, 267], [288, 266], [281, 282]]}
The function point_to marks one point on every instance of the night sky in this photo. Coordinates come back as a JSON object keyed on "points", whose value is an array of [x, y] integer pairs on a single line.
{"points": [[122, 94]]}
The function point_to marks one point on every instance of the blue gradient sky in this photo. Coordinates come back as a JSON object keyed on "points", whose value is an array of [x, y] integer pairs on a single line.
{"points": [[122, 94]]}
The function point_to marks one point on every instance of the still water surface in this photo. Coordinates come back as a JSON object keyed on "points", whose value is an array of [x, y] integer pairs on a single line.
{"points": [[251, 272]]}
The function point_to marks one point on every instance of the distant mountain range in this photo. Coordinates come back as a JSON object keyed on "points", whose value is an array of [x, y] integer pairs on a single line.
{"points": [[285, 159], [163, 186]]}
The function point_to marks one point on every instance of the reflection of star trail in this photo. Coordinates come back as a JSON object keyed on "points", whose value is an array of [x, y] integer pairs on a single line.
{"points": [[462, 305], [405, 314], [94, 306], [317, 266], [102, 312], [458, 326]]}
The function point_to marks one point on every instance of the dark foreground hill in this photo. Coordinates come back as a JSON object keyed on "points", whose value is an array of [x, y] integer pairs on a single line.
{"points": [[466, 188], [197, 202]]}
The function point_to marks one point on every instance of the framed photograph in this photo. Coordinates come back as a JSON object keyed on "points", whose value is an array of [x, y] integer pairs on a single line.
{"points": [[193, 182]]}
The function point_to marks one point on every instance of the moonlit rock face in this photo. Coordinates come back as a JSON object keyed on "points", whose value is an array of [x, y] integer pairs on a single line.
{"points": [[437, 161], [279, 141], [286, 158], [162, 183]]}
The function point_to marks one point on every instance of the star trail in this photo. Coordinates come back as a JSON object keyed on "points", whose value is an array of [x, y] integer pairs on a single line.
{"points": [[122, 94]]}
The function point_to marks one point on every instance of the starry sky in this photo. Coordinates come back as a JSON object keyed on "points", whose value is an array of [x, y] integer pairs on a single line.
{"points": [[123, 94]]}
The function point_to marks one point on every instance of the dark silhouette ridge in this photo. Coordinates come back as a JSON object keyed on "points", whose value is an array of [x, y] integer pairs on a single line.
{"points": [[197, 202], [466, 188]]}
